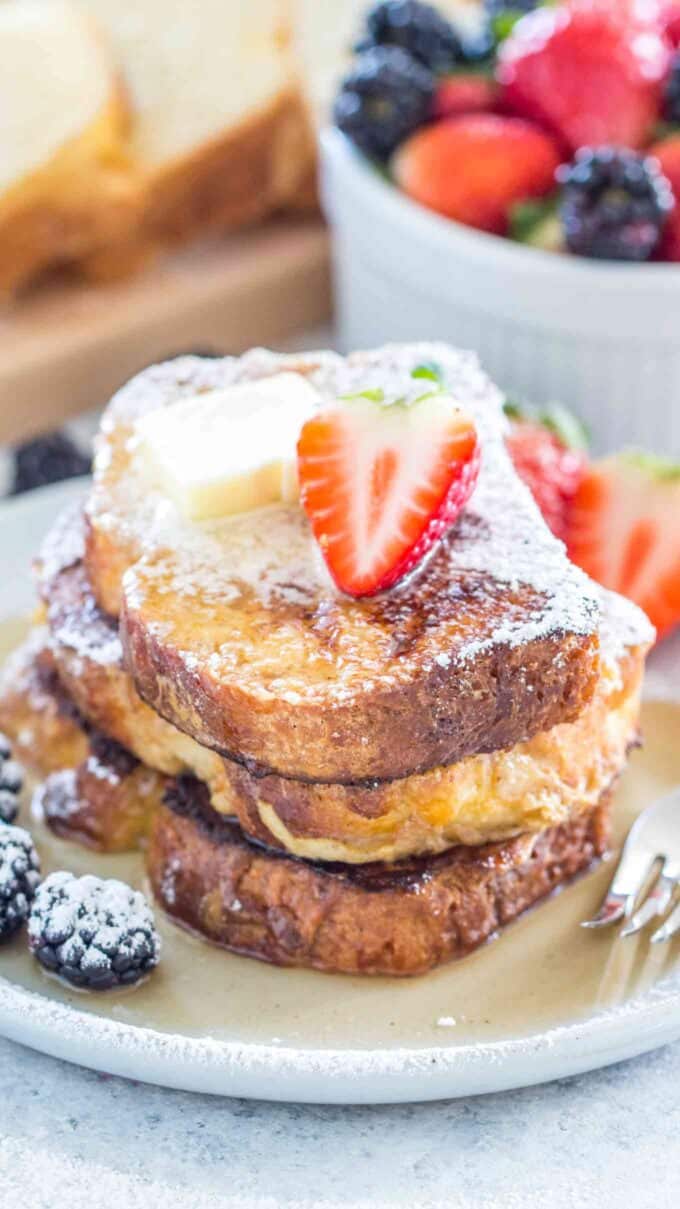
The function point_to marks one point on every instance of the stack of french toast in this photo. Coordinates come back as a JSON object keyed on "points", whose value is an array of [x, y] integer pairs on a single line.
{"points": [[324, 769]]}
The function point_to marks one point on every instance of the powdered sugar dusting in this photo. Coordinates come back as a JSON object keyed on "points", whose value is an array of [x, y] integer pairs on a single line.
{"points": [[63, 546], [348, 1075], [504, 536]]}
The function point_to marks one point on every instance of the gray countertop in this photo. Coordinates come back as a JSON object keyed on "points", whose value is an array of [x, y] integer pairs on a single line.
{"points": [[72, 1139]]}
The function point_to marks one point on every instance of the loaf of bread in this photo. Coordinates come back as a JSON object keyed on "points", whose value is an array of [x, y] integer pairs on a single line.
{"points": [[151, 123], [65, 185], [220, 134]]}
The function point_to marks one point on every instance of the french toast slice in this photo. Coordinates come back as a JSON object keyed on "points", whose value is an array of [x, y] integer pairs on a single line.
{"points": [[234, 632], [391, 919], [105, 802], [36, 713], [482, 798]]}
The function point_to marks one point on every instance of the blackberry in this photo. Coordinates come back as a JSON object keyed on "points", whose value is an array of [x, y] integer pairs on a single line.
{"points": [[19, 878], [671, 99], [47, 460], [11, 782], [93, 933], [417, 28], [383, 99], [614, 204]]}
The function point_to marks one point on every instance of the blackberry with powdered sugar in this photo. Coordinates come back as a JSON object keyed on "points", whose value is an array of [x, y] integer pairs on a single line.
{"points": [[19, 878], [95, 934], [11, 782]]}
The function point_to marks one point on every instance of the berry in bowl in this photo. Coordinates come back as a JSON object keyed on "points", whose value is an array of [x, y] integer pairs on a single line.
{"points": [[515, 191]]}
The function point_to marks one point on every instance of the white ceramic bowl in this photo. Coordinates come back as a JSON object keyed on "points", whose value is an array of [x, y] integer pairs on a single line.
{"points": [[602, 338]]}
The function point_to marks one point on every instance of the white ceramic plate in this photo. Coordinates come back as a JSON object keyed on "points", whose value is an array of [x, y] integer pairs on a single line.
{"points": [[544, 1001]]}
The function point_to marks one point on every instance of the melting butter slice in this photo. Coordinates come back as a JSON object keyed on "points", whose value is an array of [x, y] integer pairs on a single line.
{"points": [[230, 450]]}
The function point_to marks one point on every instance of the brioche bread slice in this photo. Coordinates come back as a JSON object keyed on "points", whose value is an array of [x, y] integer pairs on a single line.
{"points": [[65, 187], [221, 134]]}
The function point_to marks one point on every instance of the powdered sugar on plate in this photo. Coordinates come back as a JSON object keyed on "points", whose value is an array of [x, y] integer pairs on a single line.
{"points": [[275, 1071]]}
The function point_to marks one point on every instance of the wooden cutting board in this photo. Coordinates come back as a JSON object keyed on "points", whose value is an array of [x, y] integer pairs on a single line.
{"points": [[66, 346]]}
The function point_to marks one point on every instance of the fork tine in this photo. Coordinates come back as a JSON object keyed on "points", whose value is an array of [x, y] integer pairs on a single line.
{"points": [[631, 874], [656, 903], [669, 929], [614, 908]]}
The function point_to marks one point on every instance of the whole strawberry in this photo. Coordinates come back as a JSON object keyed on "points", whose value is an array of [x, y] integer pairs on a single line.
{"points": [[591, 72], [548, 454], [475, 168]]}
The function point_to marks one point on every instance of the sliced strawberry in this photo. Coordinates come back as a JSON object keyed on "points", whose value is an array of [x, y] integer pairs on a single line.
{"points": [[464, 92], [625, 532], [667, 151], [548, 454], [475, 168], [591, 72], [381, 482]]}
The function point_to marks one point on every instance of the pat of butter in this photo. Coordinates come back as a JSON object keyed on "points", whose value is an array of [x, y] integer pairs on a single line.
{"points": [[230, 450]]}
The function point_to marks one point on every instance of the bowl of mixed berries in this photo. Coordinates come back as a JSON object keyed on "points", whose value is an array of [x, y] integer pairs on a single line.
{"points": [[515, 187]]}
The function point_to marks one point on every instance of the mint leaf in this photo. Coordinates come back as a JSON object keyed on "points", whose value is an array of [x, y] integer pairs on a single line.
{"points": [[429, 370]]}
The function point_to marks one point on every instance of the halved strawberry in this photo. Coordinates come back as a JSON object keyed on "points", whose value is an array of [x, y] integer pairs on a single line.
{"points": [[474, 168], [381, 481], [625, 532], [464, 92], [548, 452], [593, 73]]}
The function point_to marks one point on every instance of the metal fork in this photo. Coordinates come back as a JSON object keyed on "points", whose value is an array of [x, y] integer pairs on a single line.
{"points": [[650, 862]]}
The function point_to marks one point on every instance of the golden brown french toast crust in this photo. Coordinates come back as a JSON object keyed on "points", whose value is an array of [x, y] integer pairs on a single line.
{"points": [[508, 696], [234, 632], [399, 919], [484, 797]]}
